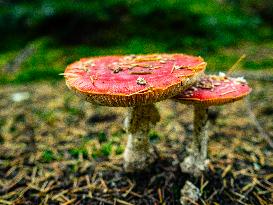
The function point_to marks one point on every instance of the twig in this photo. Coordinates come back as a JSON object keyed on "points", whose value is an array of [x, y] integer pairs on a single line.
{"points": [[212, 195], [159, 192], [235, 65], [5, 202], [123, 202], [102, 200], [226, 170], [252, 116], [69, 202], [129, 190], [15, 63], [136, 194]]}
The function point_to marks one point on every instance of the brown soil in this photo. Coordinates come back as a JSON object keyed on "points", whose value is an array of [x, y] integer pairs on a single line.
{"points": [[57, 149]]}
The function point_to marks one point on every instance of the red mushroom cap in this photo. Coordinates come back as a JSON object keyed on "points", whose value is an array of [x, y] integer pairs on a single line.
{"points": [[214, 90], [133, 79]]}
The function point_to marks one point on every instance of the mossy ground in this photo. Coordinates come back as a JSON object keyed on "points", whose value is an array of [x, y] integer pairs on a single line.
{"points": [[41, 59], [57, 149]]}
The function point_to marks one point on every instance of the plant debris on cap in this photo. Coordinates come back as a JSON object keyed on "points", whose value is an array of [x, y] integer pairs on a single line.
{"points": [[133, 79], [215, 90]]}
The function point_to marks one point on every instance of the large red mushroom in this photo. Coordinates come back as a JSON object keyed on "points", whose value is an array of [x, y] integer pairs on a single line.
{"points": [[137, 82]]}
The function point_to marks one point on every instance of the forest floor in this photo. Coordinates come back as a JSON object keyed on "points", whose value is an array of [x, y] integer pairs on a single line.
{"points": [[57, 149]]}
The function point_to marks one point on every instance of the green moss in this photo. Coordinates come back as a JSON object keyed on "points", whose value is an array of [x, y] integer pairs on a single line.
{"points": [[106, 149], [96, 154], [118, 134], [48, 156], [47, 116], [73, 168], [76, 152], [119, 150], [153, 136], [102, 137]]}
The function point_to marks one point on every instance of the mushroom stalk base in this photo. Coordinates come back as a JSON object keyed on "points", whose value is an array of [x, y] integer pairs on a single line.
{"points": [[139, 153], [196, 160]]}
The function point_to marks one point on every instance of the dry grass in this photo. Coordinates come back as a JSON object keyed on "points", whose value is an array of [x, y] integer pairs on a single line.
{"points": [[58, 149]]}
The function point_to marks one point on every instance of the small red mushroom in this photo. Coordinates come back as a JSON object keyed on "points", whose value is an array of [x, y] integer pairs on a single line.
{"points": [[135, 81], [208, 91]]}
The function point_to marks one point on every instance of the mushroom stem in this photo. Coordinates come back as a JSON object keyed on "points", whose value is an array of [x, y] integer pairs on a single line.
{"points": [[200, 142], [196, 161], [139, 152]]}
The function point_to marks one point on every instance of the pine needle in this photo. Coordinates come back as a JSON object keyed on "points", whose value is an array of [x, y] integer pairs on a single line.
{"points": [[235, 65]]}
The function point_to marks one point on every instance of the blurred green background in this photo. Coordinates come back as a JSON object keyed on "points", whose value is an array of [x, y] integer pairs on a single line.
{"points": [[40, 37]]}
